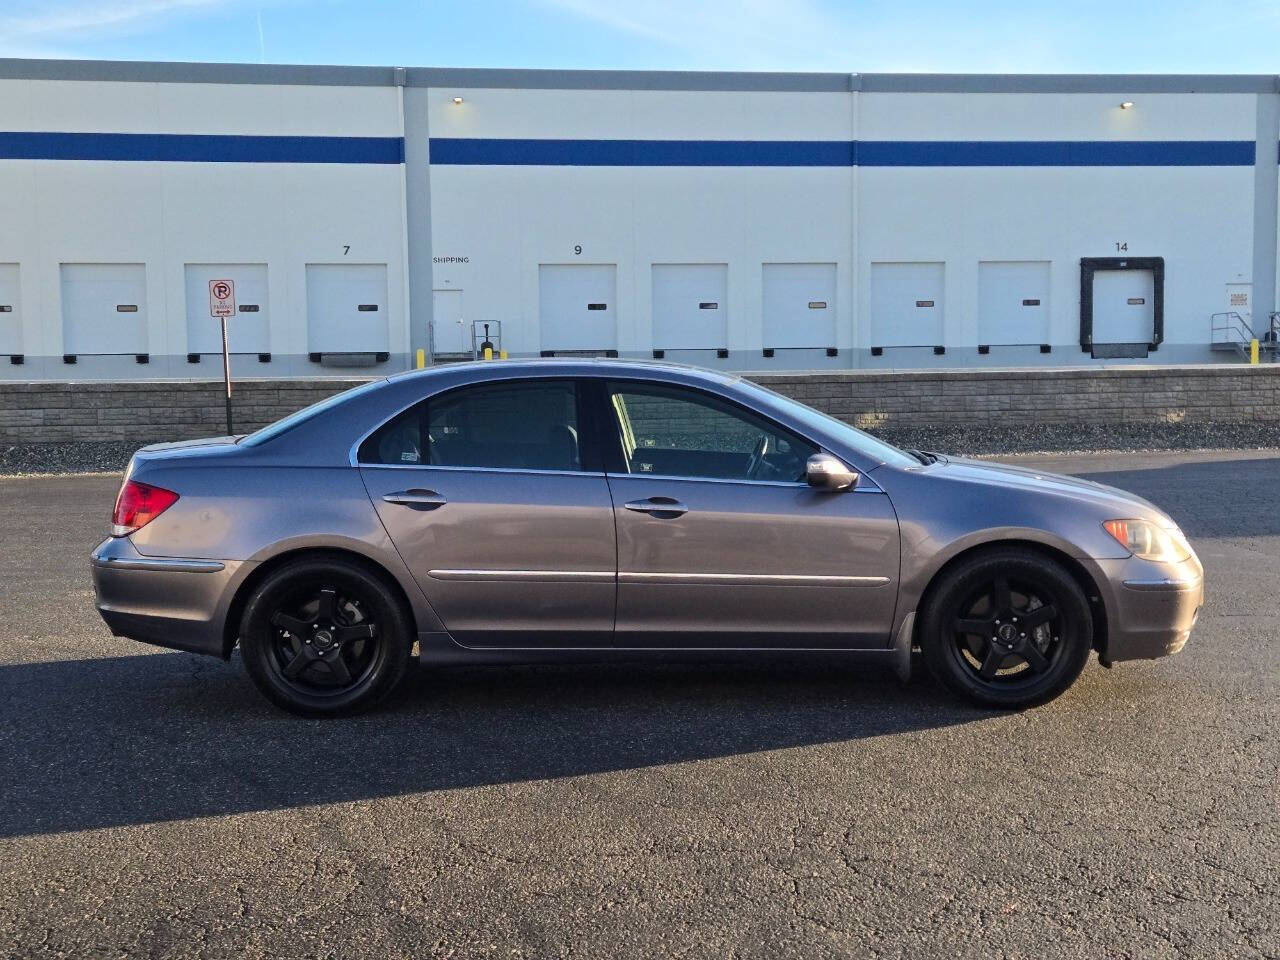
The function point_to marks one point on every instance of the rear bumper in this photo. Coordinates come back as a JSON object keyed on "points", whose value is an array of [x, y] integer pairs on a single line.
{"points": [[1153, 607], [168, 601]]}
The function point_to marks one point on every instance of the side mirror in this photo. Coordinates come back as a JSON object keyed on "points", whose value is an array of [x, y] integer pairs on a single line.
{"points": [[825, 472]]}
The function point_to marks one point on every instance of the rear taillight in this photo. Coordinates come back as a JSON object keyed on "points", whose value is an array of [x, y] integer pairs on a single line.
{"points": [[137, 505]]}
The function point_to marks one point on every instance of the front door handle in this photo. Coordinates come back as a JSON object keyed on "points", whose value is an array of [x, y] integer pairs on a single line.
{"points": [[421, 499], [664, 508]]}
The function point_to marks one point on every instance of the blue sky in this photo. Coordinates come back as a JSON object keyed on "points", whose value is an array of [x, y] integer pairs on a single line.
{"points": [[1176, 36]]}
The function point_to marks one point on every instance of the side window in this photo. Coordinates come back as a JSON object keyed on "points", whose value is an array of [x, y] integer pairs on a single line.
{"points": [[673, 432], [518, 426]]}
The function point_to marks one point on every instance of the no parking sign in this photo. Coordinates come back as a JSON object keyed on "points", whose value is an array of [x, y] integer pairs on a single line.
{"points": [[222, 298], [222, 303]]}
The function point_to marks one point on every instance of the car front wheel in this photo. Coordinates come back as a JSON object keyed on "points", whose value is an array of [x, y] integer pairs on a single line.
{"points": [[1007, 628], [325, 637]]}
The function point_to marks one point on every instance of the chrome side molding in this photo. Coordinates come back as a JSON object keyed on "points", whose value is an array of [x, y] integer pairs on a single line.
{"points": [[162, 564], [753, 579], [607, 576], [543, 576]]}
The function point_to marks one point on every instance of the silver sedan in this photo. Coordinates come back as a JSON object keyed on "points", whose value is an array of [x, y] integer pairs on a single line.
{"points": [[582, 510]]}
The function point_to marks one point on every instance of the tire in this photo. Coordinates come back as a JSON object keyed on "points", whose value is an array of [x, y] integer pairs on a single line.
{"points": [[324, 637], [1012, 646]]}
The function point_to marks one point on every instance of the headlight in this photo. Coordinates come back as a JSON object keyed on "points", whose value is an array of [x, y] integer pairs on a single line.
{"points": [[1150, 541]]}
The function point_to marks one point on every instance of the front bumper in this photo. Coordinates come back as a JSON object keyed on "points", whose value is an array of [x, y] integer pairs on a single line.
{"points": [[168, 601], [1152, 607]]}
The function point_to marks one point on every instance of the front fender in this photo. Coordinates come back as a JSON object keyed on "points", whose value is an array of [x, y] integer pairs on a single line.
{"points": [[944, 516]]}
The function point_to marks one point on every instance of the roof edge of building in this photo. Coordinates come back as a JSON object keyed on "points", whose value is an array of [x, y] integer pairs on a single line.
{"points": [[657, 80]]}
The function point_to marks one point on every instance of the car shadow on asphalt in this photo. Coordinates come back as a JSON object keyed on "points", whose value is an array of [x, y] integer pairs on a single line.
{"points": [[142, 739], [1212, 498]]}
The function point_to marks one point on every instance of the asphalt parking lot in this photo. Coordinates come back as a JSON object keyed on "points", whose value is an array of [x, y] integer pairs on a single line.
{"points": [[154, 805]]}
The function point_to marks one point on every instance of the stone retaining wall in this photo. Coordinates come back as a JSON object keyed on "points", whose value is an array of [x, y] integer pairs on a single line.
{"points": [[1129, 395], [155, 410]]}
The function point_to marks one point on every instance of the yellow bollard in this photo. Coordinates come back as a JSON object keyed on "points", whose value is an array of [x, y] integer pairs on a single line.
{"points": [[422, 358], [502, 354], [1253, 351], [488, 353]]}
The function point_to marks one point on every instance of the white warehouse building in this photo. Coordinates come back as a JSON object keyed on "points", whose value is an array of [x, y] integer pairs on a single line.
{"points": [[741, 221]]}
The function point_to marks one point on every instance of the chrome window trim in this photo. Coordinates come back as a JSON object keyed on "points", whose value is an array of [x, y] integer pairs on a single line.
{"points": [[860, 488], [528, 376], [672, 476], [169, 564], [862, 477], [533, 376], [432, 466]]}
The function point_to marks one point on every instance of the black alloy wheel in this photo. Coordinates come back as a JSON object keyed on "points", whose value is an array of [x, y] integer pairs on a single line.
{"points": [[325, 637], [1007, 632], [325, 642], [1007, 628]]}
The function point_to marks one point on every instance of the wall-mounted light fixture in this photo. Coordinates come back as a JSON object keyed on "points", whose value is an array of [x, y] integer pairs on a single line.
{"points": [[458, 100], [1128, 104]]}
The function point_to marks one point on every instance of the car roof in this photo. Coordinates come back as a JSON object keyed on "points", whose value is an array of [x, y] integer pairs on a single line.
{"points": [[332, 436], [484, 370]]}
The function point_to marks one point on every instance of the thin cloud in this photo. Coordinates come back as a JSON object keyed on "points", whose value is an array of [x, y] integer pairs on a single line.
{"points": [[751, 32], [46, 18], [809, 35]]}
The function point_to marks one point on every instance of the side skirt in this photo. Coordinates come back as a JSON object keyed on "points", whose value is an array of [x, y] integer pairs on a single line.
{"points": [[440, 649]]}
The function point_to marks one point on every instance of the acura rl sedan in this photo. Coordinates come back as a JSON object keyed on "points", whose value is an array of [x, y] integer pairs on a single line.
{"points": [[525, 512]]}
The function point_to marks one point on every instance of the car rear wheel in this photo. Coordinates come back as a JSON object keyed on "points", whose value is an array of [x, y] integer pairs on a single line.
{"points": [[324, 637], [1007, 628]]}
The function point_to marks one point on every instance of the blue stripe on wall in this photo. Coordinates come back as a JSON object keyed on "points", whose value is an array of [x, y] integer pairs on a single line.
{"points": [[627, 153], [1056, 153], [840, 153], [643, 153], [199, 148]]}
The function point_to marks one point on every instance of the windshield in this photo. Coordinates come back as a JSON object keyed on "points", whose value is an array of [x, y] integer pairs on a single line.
{"points": [[273, 430], [863, 442]]}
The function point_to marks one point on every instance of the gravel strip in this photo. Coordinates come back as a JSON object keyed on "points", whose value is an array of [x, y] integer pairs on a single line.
{"points": [[51, 458], [43, 458]]}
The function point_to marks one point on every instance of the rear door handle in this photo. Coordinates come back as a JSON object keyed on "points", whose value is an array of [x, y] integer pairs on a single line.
{"points": [[665, 508], [422, 499]]}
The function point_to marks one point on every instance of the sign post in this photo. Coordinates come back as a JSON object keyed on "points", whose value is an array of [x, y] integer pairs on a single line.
{"points": [[222, 304]]}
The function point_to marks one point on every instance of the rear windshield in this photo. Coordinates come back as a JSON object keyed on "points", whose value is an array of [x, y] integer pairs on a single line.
{"points": [[273, 430]]}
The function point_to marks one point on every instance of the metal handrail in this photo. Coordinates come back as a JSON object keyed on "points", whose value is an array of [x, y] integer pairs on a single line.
{"points": [[1230, 322]]}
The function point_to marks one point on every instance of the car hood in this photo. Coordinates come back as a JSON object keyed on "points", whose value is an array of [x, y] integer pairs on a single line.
{"points": [[1125, 504]]}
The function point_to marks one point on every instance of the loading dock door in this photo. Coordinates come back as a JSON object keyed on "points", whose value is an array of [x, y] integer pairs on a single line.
{"points": [[104, 308], [249, 330], [1013, 302], [798, 305], [690, 311], [906, 304], [10, 310], [577, 306], [450, 333], [347, 308], [1123, 307]]}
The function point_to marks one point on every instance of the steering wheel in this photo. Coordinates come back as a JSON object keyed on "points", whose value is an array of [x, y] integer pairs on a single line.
{"points": [[757, 460]]}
